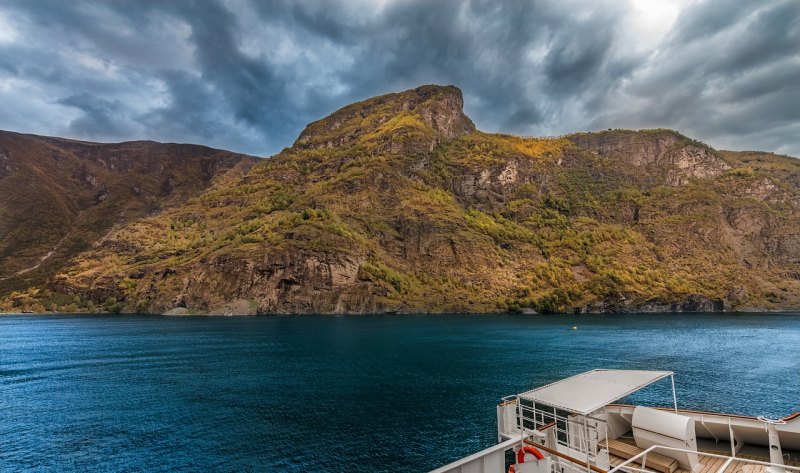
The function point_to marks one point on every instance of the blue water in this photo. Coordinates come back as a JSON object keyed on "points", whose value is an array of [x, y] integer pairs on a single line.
{"points": [[388, 393]]}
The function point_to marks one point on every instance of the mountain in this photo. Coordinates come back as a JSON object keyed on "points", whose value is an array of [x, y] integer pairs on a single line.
{"points": [[60, 197], [398, 204]]}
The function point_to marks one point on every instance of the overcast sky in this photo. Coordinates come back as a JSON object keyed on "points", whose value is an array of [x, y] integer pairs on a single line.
{"points": [[248, 75]]}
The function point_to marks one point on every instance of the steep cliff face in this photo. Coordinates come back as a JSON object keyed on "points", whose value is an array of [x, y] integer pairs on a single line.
{"points": [[433, 110], [397, 204], [661, 152], [61, 196]]}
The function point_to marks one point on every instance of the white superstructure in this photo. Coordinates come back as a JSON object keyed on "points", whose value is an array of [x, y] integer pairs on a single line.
{"points": [[574, 426]]}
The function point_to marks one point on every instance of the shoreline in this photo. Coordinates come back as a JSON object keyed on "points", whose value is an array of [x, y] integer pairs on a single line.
{"points": [[385, 314]]}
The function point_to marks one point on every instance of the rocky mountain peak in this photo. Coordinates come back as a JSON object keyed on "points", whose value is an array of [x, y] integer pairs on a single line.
{"points": [[430, 110], [442, 108]]}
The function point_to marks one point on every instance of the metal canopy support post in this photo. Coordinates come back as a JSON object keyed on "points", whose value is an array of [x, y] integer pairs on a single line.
{"points": [[555, 419], [521, 418], [586, 446], [674, 396]]}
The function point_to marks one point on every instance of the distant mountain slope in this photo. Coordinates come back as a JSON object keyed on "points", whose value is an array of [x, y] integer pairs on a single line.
{"points": [[61, 196], [397, 204]]}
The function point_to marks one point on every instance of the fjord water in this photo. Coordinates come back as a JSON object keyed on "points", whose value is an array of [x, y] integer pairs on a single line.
{"points": [[309, 393]]}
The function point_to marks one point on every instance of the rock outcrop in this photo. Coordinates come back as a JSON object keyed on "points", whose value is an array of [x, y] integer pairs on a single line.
{"points": [[682, 158], [441, 109]]}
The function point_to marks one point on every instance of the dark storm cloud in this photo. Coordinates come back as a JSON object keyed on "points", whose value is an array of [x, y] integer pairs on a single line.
{"points": [[100, 118], [724, 76], [248, 75]]}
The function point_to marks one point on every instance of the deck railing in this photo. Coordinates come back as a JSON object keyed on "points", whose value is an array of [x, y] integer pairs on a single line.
{"points": [[625, 466], [490, 460], [581, 434]]}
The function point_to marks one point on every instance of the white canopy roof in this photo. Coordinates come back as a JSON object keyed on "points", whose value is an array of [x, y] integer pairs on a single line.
{"points": [[586, 392]]}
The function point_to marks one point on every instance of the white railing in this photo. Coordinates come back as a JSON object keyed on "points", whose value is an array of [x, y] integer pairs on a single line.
{"points": [[643, 454], [489, 460], [579, 433]]}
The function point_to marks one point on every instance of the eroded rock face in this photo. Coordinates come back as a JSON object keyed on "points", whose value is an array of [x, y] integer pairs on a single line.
{"points": [[286, 283], [5, 165], [440, 108], [765, 189], [694, 162], [692, 303], [444, 113], [635, 149], [666, 149], [492, 185]]}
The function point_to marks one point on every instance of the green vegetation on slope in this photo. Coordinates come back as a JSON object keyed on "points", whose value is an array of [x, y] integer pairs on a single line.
{"points": [[61, 196]]}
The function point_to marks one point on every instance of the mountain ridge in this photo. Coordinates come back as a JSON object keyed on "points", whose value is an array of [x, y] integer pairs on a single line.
{"points": [[61, 195], [398, 204]]}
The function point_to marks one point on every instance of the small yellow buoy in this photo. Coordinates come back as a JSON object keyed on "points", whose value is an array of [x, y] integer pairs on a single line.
{"points": [[574, 327]]}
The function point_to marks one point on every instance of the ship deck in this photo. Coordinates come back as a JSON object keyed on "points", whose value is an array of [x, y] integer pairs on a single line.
{"points": [[712, 464]]}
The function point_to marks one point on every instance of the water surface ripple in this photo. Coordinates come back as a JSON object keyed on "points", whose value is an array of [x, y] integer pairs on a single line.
{"points": [[384, 393]]}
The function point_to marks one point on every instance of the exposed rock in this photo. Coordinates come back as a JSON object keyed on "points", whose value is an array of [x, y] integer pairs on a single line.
{"points": [[441, 108], [289, 283], [666, 149], [763, 188], [492, 185], [693, 303], [695, 162], [5, 166], [177, 311]]}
